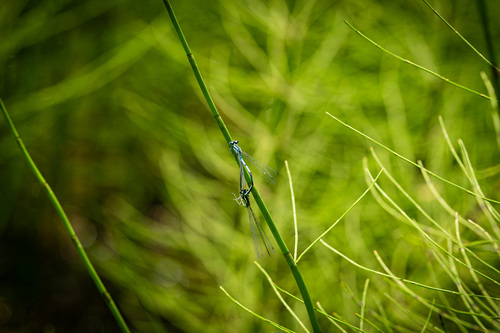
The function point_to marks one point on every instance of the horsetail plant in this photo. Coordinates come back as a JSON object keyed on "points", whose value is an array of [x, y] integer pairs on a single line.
{"points": [[60, 211], [258, 199]]}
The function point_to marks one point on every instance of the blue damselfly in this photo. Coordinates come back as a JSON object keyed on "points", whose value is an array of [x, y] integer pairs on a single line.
{"points": [[268, 173], [259, 236]]}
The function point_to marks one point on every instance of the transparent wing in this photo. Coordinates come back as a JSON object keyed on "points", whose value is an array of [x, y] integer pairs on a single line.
{"points": [[257, 245], [259, 236], [265, 240], [268, 173]]}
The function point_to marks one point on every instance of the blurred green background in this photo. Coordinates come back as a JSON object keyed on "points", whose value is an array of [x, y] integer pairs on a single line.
{"points": [[106, 103]]}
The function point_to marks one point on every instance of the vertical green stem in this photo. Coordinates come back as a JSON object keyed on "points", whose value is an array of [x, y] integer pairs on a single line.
{"points": [[197, 73], [483, 13], [88, 265], [289, 259], [258, 199]]}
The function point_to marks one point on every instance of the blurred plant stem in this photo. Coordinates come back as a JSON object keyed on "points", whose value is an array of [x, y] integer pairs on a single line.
{"points": [[417, 65], [258, 199], [88, 265], [483, 13]]}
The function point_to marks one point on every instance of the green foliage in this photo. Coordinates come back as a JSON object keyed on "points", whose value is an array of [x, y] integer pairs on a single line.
{"points": [[105, 101]]}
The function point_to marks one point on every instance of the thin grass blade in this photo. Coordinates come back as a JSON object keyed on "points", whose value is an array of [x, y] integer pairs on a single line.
{"points": [[272, 323]]}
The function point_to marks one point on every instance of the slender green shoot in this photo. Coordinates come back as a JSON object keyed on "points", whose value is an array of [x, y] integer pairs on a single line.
{"points": [[491, 213], [490, 44], [460, 35], [270, 322], [414, 295], [382, 315], [468, 170], [421, 285], [417, 318], [369, 322], [408, 196], [421, 231], [480, 231], [295, 227], [474, 276], [428, 320], [341, 217], [285, 304], [258, 199], [335, 318], [320, 307], [413, 163], [363, 304], [473, 226], [494, 105], [418, 66], [60, 211], [452, 271], [361, 316]]}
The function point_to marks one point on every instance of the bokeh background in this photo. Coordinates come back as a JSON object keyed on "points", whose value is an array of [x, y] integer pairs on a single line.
{"points": [[105, 101]]}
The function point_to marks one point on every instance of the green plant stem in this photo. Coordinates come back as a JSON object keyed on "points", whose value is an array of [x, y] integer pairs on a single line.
{"points": [[292, 195], [340, 218], [483, 13], [417, 65], [197, 73], [86, 261], [258, 199], [413, 163], [282, 300], [289, 260], [460, 35], [272, 323]]}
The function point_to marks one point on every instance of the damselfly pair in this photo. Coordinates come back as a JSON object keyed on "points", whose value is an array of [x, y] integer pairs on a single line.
{"points": [[259, 236]]}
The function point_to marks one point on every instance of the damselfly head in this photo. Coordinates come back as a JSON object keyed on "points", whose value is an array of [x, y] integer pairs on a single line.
{"points": [[234, 142]]}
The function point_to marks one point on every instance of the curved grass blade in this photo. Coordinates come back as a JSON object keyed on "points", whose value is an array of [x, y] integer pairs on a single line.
{"points": [[272, 323], [340, 218], [282, 300], [460, 36], [417, 65], [396, 278], [67, 224], [413, 163]]}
